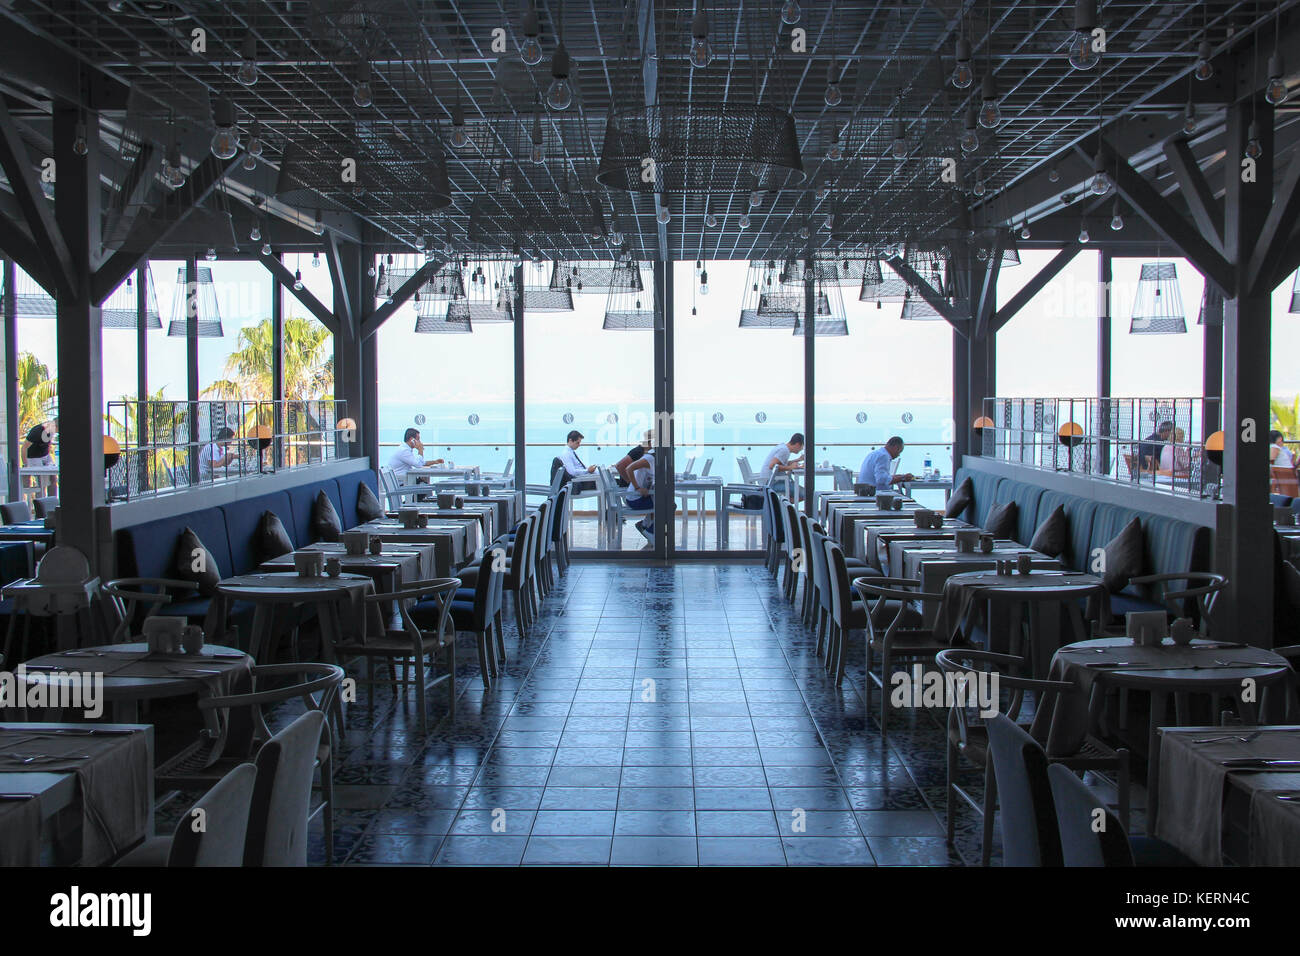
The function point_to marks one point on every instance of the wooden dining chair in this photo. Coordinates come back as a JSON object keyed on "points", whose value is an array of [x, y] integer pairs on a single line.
{"points": [[281, 812], [972, 740], [241, 731], [1197, 596], [411, 645], [1283, 481], [906, 639], [1084, 843], [224, 812], [128, 601]]}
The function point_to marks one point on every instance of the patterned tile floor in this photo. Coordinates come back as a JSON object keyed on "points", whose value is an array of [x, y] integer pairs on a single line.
{"points": [[653, 716]]}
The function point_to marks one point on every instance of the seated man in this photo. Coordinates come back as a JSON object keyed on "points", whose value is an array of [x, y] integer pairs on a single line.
{"points": [[216, 454], [778, 462], [410, 455], [624, 464], [877, 470], [640, 492], [573, 466], [1150, 447]]}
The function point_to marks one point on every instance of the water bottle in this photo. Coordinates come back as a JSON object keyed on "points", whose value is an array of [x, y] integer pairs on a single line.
{"points": [[926, 471]]}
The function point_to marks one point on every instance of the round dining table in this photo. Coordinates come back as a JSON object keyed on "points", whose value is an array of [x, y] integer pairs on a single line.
{"points": [[132, 673], [1218, 669], [333, 598]]}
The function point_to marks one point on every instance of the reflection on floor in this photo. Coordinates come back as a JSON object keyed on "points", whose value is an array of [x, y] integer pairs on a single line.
{"points": [[692, 533], [655, 715]]}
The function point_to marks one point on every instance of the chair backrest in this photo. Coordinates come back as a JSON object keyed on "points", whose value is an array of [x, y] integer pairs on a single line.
{"points": [[214, 832], [127, 599], [11, 511], [44, 507], [790, 525], [559, 477], [746, 473], [561, 522], [708, 466], [541, 531], [837, 574], [510, 464], [1028, 831], [820, 571], [690, 463], [1076, 816], [1282, 481], [843, 480], [773, 505], [519, 553], [277, 821]]}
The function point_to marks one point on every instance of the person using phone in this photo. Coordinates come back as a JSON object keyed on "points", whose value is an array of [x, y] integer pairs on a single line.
{"points": [[410, 455]]}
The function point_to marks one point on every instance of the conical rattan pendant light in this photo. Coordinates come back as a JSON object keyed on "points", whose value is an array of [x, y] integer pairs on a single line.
{"points": [[1158, 305], [121, 309], [205, 306]]}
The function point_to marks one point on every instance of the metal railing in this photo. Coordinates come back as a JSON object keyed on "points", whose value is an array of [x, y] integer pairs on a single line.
{"points": [[1152, 442], [170, 445]]}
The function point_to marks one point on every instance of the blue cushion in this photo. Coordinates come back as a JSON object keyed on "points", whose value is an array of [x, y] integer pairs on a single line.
{"points": [[1280, 501], [242, 518], [1126, 602], [146, 550], [1026, 497], [1078, 528], [301, 500], [986, 486], [347, 487]]}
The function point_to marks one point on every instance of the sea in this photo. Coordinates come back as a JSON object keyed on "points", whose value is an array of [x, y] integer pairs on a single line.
{"points": [[482, 433]]}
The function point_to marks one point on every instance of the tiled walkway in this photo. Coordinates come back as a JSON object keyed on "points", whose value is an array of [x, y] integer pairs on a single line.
{"points": [[673, 716]]}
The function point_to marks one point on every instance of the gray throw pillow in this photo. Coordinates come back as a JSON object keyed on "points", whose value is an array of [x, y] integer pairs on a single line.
{"points": [[194, 562], [1001, 521], [1123, 556], [272, 539], [325, 522], [1049, 537], [961, 499], [368, 506]]}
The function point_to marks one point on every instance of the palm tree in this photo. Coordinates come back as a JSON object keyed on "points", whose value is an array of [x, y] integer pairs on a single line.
{"points": [[38, 393], [1286, 418]]}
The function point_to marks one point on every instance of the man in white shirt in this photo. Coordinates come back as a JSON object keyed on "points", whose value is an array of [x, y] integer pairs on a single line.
{"points": [[640, 492], [778, 462], [877, 467], [216, 454], [410, 455], [573, 465]]}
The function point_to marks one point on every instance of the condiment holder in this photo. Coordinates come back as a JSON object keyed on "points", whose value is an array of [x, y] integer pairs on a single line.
{"points": [[921, 517], [192, 639], [1182, 631], [446, 499], [333, 566], [163, 634], [966, 540], [355, 543], [1146, 628], [884, 501], [1024, 563], [986, 544], [409, 517], [308, 564], [376, 545]]}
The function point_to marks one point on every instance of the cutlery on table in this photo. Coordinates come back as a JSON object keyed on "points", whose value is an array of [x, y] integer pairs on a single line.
{"points": [[1260, 763], [1244, 740], [16, 796], [44, 758]]}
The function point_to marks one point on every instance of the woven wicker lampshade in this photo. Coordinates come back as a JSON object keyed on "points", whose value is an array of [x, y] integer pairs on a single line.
{"points": [[700, 147], [1295, 295], [205, 304], [597, 277], [1158, 306], [1211, 305], [434, 318], [761, 284], [491, 290], [121, 309], [916, 308], [448, 282], [882, 285], [829, 319], [627, 311]]}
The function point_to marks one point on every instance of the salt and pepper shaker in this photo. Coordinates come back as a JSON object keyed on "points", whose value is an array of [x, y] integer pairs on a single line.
{"points": [[333, 566]]}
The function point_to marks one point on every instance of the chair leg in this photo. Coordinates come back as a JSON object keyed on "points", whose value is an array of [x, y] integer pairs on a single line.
{"points": [[419, 693], [951, 795], [840, 656], [483, 667], [1122, 784], [451, 679], [820, 638], [327, 797], [884, 696], [501, 647], [990, 807], [519, 614]]}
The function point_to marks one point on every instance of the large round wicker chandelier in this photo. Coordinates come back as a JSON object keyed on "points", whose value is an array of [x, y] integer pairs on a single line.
{"points": [[690, 147]]}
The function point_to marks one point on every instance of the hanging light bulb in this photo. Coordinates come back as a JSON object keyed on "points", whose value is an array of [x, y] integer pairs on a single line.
{"points": [[1054, 175], [821, 193], [1099, 184], [711, 220], [755, 199], [116, 6], [297, 280], [255, 234], [962, 75], [990, 112], [1254, 148], [804, 232], [704, 282], [1116, 220], [225, 141], [1275, 92], [315, 260], [835, 152], [832, 97], [1189, 118], [247, 72], [1083, 232], [791, 12], [79, 144], [531, 51], [1024, 230], [1083, 56], [361, 94], [1204, 69], [250, 161], [564, 192], [970, 139], [701, 52], [663, 216], [980, 189], [899, 148], [829, 222], [370, 270], [459, 134], [211, 254], [266, 248], [537, 153], [559, 94], [743, 222], [173, 175]]}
